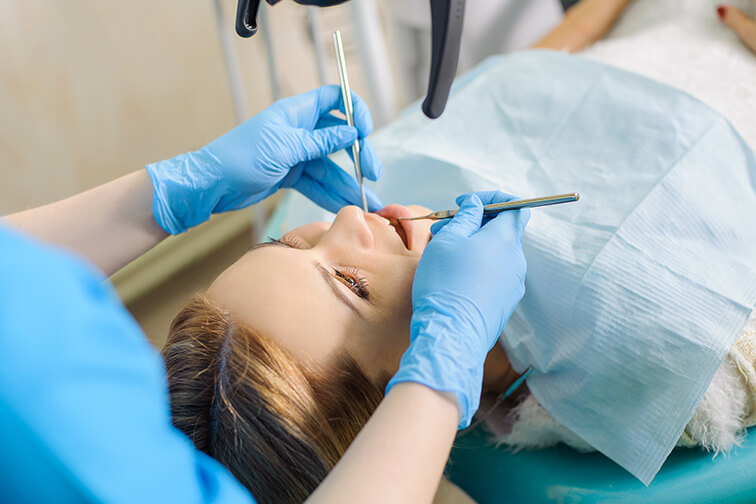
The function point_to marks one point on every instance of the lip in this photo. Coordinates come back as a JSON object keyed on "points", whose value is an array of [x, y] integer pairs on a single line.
{"points": [[403, 228]]}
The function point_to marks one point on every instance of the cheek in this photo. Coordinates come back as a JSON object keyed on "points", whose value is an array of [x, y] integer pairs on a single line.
{"points": [[396, 283], [398, 297]]}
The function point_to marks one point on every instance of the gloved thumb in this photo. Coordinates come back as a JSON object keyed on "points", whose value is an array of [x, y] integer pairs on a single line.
{"points": [[740, 23], [468, 218], [321, 142]]}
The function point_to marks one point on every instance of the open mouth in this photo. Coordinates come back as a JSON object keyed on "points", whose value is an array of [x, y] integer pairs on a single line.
{"points": [[397, 225], [403, 228]]}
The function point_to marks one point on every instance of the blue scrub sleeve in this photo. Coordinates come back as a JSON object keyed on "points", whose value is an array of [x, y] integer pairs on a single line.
{"points": [[84, 409]]}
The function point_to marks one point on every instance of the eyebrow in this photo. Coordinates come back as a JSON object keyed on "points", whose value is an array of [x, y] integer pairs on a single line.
{"points": [[332, 283], [337, 291]]}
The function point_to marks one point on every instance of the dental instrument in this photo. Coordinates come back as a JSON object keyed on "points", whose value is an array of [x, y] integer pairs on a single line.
{"points": [[495, 208], [346, 94]]}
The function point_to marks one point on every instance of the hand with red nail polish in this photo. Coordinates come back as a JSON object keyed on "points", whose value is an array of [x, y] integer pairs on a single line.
{"points": [[740, 23]]}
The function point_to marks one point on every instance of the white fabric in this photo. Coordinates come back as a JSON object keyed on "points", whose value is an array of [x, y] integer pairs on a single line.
{"points": [[684, 44]]}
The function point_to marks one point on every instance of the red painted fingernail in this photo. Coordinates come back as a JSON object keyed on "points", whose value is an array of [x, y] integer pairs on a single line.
{"points": [[722, 11]]}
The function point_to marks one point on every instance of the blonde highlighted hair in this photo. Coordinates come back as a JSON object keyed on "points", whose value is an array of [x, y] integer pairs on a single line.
{"points": [[279, 425]]}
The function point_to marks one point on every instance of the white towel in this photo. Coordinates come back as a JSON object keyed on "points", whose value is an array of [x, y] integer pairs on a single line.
{"points": [[684, 44]]}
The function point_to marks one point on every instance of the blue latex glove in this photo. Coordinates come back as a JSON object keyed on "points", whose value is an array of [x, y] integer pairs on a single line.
{"points": [[285, 145], [469, 280]]}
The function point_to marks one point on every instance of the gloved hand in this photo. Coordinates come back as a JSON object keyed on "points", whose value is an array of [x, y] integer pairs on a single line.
{"points": [[285, 145], [468, 282]]}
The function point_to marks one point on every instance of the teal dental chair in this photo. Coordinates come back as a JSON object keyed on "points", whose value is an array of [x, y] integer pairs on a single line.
{"points": [[562, 475]]}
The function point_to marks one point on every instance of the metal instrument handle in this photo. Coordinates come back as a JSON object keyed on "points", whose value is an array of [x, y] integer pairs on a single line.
{"points": [[495, 208]]}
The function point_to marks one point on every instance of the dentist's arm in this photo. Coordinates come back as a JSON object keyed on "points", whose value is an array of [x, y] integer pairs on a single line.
{"points": [[286, 145], [457, 316], [400, 454]]}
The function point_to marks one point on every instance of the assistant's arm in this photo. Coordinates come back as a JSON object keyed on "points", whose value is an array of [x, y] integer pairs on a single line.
{"points": [[585, 23], [285, 145], [110, 225], [400, 454]]}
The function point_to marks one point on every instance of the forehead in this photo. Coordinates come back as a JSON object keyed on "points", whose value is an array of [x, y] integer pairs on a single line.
{"points": [[280, 293]]}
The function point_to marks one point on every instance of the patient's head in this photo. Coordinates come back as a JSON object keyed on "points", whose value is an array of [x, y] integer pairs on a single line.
{"points": [[326, 289], [276, 369]]}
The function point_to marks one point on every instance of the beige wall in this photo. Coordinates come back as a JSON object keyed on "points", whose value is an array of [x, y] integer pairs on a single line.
{"points": [[90, 90]]}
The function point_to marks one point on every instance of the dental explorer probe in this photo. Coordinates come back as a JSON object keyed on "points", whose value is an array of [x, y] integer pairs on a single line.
{"points": [[501, 207], [346, 95]]}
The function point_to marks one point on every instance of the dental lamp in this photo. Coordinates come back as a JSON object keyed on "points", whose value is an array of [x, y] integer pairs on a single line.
{"points": [[446, 18]]}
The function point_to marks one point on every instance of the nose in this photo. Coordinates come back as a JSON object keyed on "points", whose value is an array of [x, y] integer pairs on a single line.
{"points": [[351, 229]]}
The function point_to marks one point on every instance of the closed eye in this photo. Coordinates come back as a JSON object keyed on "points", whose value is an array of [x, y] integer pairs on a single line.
{"points": [[347, 275], [291, 241], [351, 278]]}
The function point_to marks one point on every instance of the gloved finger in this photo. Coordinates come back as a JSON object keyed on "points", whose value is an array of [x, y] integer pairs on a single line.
{"points": [[438, 226], [328, 120], [338, 181], [293, 175], [468, 218], [329, 98], [339, 186], [323, 197], [312, 189], [369, 160], [489, 197], [486, 198], [363, 121], [319, 143], [740, 23], [507, 226]]}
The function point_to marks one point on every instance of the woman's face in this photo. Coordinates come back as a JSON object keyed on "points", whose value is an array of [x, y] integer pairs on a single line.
{"points": [[328, 288]]}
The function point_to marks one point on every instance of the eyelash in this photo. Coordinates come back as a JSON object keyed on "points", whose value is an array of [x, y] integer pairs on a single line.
{"points": [[345, 274], [352, 279], [289, 241]]}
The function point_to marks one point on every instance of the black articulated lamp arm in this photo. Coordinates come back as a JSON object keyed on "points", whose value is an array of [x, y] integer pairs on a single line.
{"points": [[447, 17], [246, 17]]}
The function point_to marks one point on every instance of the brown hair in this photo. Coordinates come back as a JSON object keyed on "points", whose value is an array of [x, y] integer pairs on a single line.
{"points": [[277, 424]]}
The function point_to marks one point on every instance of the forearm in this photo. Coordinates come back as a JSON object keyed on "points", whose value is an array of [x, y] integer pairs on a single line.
{"points": [[585, 23], [109, 225], [400, 454]]}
